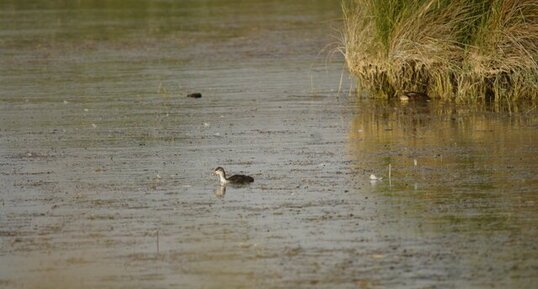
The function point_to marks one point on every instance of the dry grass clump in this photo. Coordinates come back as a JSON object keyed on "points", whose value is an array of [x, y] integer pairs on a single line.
{"points": [[465, 50]]}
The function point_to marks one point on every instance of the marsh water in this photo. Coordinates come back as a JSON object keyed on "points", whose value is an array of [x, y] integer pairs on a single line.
{"points": [[105, 164]]}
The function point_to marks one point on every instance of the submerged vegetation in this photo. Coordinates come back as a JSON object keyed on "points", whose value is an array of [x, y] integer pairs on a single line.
{"points": [[463, 50]]}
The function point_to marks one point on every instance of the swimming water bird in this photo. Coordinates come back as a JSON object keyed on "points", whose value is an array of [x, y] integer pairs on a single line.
{"points": [[235, 179], [412, 95]]}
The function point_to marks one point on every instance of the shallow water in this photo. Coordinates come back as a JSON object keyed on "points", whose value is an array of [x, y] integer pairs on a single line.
{"points": [[105, 165]]}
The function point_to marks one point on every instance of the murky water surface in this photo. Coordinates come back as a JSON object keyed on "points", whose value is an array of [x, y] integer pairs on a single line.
{"points": [[105, 165]]}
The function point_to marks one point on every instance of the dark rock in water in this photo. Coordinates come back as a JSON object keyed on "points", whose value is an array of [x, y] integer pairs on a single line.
{"points": [[195, 95]]}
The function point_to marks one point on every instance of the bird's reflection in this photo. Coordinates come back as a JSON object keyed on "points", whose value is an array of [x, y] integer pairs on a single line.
{"points": [[220, 191]]}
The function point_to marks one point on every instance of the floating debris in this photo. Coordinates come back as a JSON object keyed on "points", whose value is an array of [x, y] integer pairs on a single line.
{"points": [[195, 95], [374, 178], [378, 256]]}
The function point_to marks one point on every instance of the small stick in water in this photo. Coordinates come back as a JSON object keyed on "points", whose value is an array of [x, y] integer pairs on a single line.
{"points": [[390, 173]]}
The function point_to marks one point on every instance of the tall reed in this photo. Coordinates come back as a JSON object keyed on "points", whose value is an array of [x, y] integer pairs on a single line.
{"points": [[465, 50]]}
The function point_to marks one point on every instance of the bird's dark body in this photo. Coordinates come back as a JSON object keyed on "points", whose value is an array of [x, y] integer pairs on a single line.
{"points": [[240, 179]]}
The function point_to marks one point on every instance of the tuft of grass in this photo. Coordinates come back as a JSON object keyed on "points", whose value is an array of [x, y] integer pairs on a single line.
{"points": [[464, 50]]}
